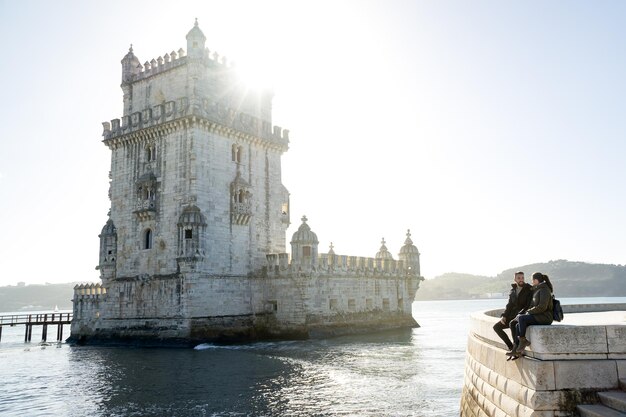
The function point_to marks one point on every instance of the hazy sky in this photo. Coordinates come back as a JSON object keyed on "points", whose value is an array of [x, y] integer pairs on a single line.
{"points": [[494, 130]]}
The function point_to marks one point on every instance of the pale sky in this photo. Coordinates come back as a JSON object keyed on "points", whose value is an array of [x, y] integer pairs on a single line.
{"points": [[494, 130]]}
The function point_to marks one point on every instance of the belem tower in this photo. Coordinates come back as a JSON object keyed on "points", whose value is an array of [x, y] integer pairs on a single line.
{"points": [[194, 248]]}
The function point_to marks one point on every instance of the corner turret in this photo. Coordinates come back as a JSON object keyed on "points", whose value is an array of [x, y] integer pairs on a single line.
{"points": [[195, 42], [410, 255], [108, 252], [130, 66], [304, 246]]}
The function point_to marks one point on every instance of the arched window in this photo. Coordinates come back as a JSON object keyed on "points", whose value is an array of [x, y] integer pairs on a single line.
{"points": [[151, 153], [147, 239]]}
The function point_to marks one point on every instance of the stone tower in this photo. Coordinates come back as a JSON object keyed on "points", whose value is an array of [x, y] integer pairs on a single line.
{"points": [[195, 180]]}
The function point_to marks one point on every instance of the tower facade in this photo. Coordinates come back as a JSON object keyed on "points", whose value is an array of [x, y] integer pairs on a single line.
{"points": [[195, 169]]}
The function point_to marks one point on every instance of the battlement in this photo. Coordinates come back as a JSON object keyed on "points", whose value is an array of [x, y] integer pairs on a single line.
{"points": [[339, 265], [88, 291], [175, 59], [219, 116]]}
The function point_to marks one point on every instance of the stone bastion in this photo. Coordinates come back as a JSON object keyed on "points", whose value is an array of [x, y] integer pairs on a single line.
{"points": [[567, 364]]}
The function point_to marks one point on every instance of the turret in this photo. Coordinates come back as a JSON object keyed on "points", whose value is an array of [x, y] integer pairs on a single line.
{"points": [[108, 252], [195, 42], [410, 255], [130, 66], [304, 246]]}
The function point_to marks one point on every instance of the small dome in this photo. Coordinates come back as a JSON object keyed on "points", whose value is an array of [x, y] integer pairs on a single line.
{"points": [[383, 253], [304, 234], [196, 33], [130, 56], [109, 228], [191, 216], [409, 247]]}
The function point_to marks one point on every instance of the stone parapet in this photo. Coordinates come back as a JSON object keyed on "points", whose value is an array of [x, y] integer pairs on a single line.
{"points": [[211, 115], [566, 365], [339, 265]]}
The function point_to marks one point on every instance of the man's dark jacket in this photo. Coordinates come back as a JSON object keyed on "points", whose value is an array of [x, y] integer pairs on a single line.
{"points": [[517, 302]]}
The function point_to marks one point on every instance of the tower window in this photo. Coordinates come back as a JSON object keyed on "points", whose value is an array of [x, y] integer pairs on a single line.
{"points": [[237, 152], [151, 153], [147, 239], [306, 251], [188, 234]]}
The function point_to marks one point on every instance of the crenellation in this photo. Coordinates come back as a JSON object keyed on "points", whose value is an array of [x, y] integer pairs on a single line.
{"points": [[224, 120]]}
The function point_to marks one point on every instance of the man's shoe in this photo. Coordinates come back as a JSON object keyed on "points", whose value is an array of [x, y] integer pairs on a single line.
{"points": [[511, 351]]}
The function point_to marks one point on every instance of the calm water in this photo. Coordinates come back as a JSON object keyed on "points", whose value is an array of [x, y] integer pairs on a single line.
{"points": [[409, 373]]}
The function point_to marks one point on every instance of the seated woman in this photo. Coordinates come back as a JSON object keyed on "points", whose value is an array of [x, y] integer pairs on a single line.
{"points": [[539, 312]]}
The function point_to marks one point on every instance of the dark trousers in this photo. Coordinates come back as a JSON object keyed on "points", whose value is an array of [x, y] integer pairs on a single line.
{"points": [[513, 327], [523, 322], [499, 329]]}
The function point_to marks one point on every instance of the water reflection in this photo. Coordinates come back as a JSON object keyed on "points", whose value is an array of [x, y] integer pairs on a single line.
{"points": [[316, 377]]}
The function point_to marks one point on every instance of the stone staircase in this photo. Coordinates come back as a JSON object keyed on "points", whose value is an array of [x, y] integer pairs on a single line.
{"points": [[612, 404]]}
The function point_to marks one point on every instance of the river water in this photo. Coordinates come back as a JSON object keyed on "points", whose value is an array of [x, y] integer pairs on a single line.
{"points": [[417, 372]]}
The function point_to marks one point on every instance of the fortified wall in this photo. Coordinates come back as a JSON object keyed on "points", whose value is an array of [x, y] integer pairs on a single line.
{"points": [[331, 295], [570, 368]]}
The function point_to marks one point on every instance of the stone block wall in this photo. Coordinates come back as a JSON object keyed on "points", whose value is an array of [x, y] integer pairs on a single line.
{"points": [[198, 307], [565, 366]]}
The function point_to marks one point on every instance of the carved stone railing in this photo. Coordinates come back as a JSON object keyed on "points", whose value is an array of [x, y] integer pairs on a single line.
{"points": [[241, 213]]}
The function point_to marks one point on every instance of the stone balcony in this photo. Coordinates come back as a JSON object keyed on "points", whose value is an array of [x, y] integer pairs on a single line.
{"points": [[145, 209]]}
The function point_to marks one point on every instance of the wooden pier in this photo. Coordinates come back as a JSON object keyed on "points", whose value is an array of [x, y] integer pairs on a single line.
{"points": [[37, 319]]}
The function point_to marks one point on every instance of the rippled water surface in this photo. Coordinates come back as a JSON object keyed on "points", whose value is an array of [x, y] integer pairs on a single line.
{"points": [[417, 372]]}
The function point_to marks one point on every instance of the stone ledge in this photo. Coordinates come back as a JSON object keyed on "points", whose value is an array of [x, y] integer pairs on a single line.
{"points": [[563, 341]]}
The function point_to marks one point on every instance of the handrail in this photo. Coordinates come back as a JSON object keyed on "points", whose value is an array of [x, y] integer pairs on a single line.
{"points": [[36, 318]]}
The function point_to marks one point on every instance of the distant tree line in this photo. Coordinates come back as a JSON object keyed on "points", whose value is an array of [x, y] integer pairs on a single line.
{"points": [[36, 297], [570, 279]]}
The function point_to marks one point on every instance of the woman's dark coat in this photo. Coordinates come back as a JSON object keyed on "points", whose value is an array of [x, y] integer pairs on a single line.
{"points": [[541, 305]]}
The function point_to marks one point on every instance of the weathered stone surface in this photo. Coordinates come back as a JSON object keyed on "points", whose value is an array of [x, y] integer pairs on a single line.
{"points": [[621, 369], [616, 339], [585, 374]]}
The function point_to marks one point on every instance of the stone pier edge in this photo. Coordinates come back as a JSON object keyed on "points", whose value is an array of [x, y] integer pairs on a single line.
{"points": [[566, 365]]}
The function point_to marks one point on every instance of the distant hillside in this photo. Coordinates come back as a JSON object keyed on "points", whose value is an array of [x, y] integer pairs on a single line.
{"points": [[570, 279], [36, 297]]}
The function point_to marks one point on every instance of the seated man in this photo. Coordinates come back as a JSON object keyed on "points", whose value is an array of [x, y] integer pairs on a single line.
{"points": [[519, 300]]}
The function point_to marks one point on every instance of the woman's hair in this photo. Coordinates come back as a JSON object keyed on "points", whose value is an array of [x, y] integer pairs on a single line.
{"points": [[543, 278]]}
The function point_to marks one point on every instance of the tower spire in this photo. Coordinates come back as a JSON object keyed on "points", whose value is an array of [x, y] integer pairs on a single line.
{"points": [[195, 41]]}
